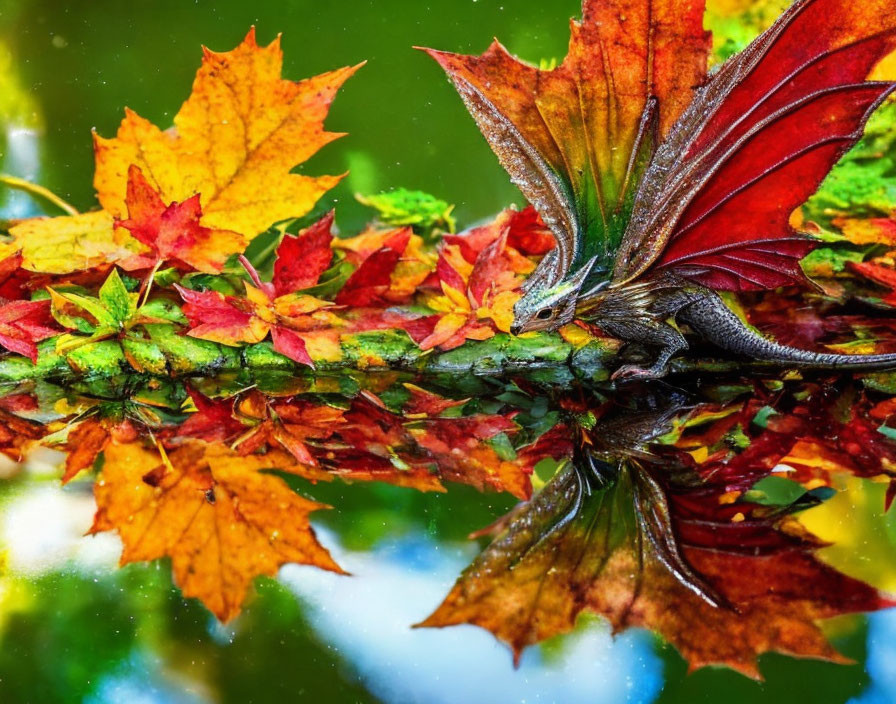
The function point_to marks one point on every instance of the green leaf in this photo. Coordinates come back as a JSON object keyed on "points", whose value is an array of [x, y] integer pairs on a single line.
{"points": [[162, 309], [503, 447], [116, 299], [827, 261], [864, 182], [104, 319], [403, 207], [762, 416], [775, 491]]}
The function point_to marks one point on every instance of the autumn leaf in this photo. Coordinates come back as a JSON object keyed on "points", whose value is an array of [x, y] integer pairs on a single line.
{"points": [[235, 141], [477, 274], [526, 235], [305, 438], [426, 404], [526, 232], [288, 424], [303, 258], [460, 448], [89, 438], [883, 275], [217, 515], [373, 252], [12, 277], [23, 324], [230, 320], [865, 231], [369, 284], [17, 435], [212, 421], [582, 544], [172, 231], [425, 448], [71, 243]]}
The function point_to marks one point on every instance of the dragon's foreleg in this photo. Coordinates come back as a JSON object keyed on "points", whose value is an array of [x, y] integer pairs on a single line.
{"points": [[651, 333]]}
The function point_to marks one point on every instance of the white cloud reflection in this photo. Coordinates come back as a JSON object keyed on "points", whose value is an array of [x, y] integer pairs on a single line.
{"points": [[367, 617]]}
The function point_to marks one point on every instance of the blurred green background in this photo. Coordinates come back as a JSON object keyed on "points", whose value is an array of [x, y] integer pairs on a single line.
{"points": [[73, 629], [81, 62]]}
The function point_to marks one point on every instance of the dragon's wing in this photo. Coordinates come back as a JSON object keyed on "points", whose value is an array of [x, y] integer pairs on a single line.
{"points": [[529, 171], [757, 141], [575, 138]]}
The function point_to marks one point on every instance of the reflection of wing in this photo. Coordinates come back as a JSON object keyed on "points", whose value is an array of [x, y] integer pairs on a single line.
{"points": [[612, 547], [575, 540], [583, 119], [758, 140]]}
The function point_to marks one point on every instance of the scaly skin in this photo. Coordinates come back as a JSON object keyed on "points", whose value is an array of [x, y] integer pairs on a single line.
{"points": [[640, 312]]}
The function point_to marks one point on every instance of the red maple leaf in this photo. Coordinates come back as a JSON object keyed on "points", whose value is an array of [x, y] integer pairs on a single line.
{"points": [[276, 307], [302, 258], [372, 279], [25, 323], [172, 232]]}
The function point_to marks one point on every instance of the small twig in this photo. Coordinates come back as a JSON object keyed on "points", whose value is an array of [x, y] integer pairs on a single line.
{"points": [[147, 282], [34, 190]]}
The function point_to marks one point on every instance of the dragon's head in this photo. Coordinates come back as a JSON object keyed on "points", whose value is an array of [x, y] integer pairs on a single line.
{"points": [[551, 307]]}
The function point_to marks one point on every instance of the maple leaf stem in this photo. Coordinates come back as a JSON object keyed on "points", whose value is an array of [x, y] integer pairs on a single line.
{"points": [[253, 274], [37, 191], [146, 287]]}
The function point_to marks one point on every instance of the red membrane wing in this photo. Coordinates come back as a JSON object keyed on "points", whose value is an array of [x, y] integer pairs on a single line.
{"points": [[758, 140], [751, 266], [730, 230], [816, 44]]}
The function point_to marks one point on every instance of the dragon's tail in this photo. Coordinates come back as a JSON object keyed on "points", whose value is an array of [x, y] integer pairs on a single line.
{"points": [[711, 318]]}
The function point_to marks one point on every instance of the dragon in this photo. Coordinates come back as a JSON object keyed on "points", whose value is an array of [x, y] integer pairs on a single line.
{"points": [[664, 185]]}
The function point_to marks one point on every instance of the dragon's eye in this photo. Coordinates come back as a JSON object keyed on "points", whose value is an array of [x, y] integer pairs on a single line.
{"points": [[545, 314]]}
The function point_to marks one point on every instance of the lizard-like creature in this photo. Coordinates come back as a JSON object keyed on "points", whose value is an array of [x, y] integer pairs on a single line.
{"points": [[663, 186]]}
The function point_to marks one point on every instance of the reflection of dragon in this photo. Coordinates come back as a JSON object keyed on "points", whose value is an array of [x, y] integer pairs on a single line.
{"points": [[702, 200], [634, 529]]}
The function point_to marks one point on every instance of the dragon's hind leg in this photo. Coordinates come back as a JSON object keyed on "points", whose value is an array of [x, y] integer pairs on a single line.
{"points": [[651, 333]]}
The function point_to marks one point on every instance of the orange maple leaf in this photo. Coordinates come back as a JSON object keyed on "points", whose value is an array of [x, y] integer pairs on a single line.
{"points": [[478, 273], [235, 141], [220, 519], [232, 148]]}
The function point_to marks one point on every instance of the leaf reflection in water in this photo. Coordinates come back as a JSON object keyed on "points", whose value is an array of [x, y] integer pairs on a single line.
{"points": [[661, 541], [671, 508]]}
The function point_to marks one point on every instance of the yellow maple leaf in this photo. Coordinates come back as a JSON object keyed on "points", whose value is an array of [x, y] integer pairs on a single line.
{"points": [[234, 141], [220, 519], [71, 242]]}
